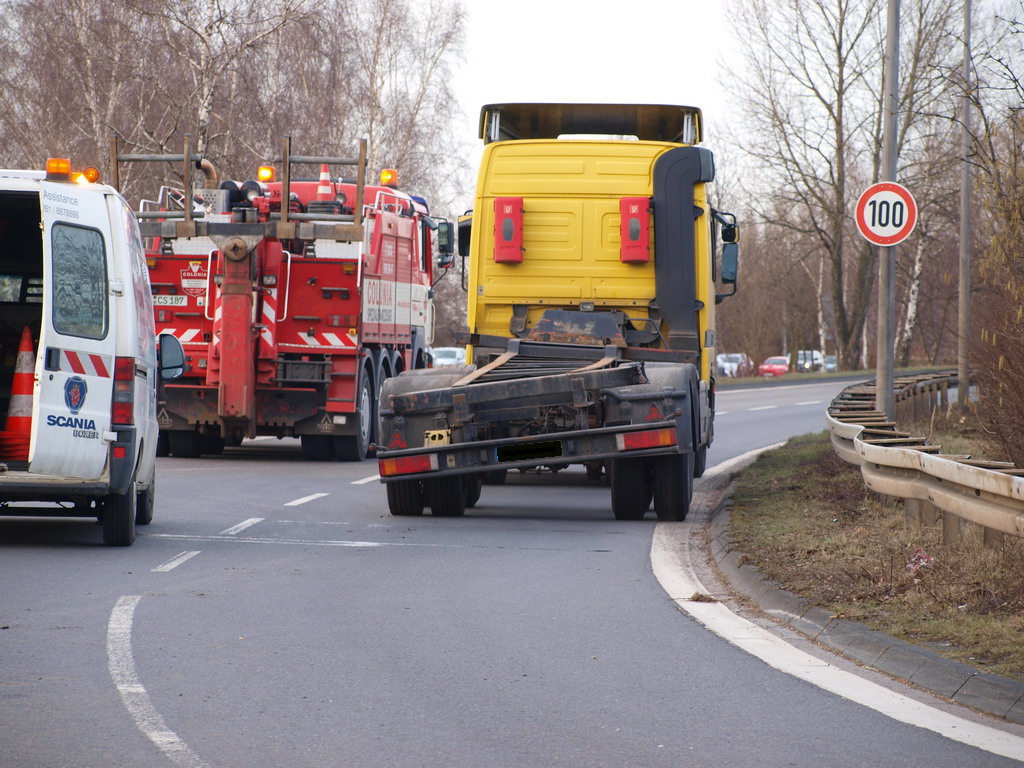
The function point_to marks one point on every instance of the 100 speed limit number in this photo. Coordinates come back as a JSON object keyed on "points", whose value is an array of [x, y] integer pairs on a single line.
{"points": [[886, 213]]}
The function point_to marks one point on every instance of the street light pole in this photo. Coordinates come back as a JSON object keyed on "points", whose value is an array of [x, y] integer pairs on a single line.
{"points": [[963, 357], [884, 381]]}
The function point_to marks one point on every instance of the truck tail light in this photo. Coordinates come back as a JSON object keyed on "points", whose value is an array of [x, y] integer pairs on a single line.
{"points": [[407, 465], [122, 409], [635, 230], [508, 230], [651, 438]]}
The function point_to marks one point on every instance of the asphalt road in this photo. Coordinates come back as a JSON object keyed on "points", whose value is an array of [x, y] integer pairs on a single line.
{"points": [[275, 614]]}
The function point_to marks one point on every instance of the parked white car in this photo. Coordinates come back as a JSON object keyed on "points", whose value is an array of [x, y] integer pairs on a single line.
{"points": [[448, 356]]}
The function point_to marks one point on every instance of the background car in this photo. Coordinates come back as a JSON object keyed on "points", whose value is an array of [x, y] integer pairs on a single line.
{"points": [[774, 366], [831, 364], [448, 356], [809, 361], [734, 364]]}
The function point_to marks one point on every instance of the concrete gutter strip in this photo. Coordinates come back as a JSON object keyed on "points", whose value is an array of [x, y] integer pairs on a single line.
{"points": [[993, 694]]}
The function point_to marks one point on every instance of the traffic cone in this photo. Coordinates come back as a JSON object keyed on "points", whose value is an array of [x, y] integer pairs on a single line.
{"points": [[19, 413], [14, 440], [325, 190]]}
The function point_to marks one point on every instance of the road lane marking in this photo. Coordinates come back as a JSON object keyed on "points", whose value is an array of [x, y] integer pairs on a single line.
{"points": [[673, 568], [366, 480], [763, 408], [339, 543], [133, 693], [174, 562], [811, 402], [241, 526], [304, 499]]}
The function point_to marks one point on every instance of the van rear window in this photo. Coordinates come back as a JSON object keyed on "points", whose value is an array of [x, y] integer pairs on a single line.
{"points": [[79, 281]]}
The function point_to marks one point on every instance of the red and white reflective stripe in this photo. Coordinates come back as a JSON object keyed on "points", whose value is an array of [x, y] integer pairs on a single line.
{"points": [[269, 322], [328, 340], [185, 335], [85, 363]]}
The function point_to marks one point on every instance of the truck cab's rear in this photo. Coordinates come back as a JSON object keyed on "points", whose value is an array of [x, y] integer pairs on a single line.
{"points": [[592, 267]]}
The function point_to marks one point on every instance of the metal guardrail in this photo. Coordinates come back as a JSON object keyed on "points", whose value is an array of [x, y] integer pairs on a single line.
{"points": [[935, 486]]}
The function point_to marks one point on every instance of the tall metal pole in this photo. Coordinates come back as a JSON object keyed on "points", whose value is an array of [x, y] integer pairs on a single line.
{"points": [[886, 263], [963, 356]]}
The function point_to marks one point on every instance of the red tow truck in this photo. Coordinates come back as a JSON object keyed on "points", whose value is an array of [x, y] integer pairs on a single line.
{"points": [[291, 315]]}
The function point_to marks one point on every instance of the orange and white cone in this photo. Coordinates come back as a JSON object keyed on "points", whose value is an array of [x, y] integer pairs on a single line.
{"points": [[325, 190], [19, 413]]}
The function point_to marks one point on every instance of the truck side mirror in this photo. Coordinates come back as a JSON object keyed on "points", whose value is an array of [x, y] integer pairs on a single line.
{"points": [[730, 266], [170, 357], [445, 237], [730, 233], [730, 260], [465, 230]]}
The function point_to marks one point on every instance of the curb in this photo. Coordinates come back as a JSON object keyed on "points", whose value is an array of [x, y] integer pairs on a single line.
{"points": [[992, 694]]}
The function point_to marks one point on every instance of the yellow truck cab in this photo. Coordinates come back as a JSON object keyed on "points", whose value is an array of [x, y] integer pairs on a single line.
{"points": [[80, 361], [593, 255]]}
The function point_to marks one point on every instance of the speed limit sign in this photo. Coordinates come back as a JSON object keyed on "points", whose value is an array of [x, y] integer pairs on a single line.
{"points": [[886, 213]]}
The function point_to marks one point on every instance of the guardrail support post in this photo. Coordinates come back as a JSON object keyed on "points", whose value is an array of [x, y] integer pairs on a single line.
{"points": [[993, 538], [950, 528], [912, 511]]}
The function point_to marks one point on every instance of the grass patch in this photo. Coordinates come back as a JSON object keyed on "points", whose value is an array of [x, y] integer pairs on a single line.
{"points": [[805, 518]]}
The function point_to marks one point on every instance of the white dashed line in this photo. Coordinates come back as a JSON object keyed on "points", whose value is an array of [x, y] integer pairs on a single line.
{"points": [[812, 402], [133, 694], [304, 499], [174, 562], [241, 526], [366, 480], [763, 408]]}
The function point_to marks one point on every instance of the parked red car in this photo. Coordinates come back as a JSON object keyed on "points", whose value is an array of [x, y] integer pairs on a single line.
{"points": [[774, 366]]}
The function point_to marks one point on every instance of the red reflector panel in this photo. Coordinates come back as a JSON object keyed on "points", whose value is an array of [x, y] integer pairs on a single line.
{"points": [[508, 230], [653, 438], [407, 465], [635, 229], [123, 413]]}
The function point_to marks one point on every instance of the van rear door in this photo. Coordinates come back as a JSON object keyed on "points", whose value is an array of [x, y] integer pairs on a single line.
{"points": [[75, 362]]}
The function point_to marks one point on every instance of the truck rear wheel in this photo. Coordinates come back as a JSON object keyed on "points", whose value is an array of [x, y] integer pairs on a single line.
{"points": [[474, 485], [184, 443], [354, 447], [631, 488], [673, 486], [446, 496], [119, 518], [317, 447], [405, 497]]}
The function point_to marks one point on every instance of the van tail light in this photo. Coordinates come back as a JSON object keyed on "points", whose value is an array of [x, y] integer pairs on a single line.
{"points": [[122, 409]]}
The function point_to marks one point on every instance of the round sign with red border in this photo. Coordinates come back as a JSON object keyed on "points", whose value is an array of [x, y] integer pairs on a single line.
{"points": [[886, 213]]}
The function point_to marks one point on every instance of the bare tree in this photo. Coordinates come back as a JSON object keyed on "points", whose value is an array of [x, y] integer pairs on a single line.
{"points": [[810, 91]]}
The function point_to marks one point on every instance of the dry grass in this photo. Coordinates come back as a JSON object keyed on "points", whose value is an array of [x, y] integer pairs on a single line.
{"points": [[806, 520]]}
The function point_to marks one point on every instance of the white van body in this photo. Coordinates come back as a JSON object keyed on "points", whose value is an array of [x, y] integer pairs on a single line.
{"points": [[73, 270]]}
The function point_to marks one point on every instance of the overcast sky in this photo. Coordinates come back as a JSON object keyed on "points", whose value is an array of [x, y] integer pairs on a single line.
{"points": [[628, 51]]}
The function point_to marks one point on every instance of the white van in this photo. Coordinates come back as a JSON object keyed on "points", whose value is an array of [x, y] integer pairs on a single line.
{"points": [[73, 272]]}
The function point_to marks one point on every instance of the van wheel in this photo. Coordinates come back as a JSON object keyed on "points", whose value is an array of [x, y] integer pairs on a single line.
{"points": [[673, 486], [354, 447], [405, 497], [144, 504], [119, 518], [184, 444]]}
